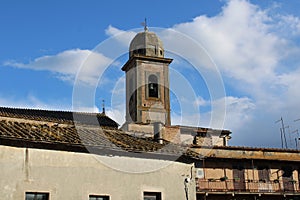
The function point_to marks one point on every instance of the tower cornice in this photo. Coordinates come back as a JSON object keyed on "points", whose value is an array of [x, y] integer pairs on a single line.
{"points": [[128, 65]]}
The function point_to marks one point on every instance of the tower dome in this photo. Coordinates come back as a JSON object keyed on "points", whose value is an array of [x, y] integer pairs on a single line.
{"points": [[146, 44]]}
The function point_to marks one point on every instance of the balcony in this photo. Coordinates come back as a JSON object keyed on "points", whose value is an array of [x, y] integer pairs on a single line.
{"points": [[246, 186]]}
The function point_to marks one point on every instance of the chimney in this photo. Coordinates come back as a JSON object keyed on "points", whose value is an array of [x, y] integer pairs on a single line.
{"points": [[157, 126]]}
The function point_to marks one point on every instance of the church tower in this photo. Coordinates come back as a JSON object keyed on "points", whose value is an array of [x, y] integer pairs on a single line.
{"points": [[147, 81]]}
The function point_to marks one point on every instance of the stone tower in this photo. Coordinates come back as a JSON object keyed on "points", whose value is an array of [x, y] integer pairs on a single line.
{"points": [[147, 81]]}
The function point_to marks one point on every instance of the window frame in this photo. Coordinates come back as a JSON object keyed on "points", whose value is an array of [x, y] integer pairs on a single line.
{"points": [[153, 81], [156, 195], [37, 193], [105, 197], [147, 85]]}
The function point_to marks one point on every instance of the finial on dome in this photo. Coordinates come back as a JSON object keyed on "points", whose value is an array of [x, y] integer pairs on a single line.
{"points": [[145, 25], [103, 106]]}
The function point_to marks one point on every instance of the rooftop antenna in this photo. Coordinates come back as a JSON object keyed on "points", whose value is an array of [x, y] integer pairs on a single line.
{"points": [[282, 133], [103, 106], [289, 133], [296, 138]]}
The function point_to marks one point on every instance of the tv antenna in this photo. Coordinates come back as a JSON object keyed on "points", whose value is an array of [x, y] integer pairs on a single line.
{"points": [[296, 138], [282, 133]]}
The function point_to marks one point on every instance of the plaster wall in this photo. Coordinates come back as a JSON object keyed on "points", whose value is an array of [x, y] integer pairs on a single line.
{"points": [[70, 175]]}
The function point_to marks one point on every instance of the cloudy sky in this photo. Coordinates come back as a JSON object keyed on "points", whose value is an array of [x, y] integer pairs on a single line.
{"points": [[236, 62]]}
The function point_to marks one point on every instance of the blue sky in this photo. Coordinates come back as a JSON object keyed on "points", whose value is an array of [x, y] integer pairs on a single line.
{"points": [[253, 44]]}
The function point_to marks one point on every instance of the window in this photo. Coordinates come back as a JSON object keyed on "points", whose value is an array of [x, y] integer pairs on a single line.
{"points": [[152, 196], [199, 173], [263, 173], [153, 49], [287, 178], [202, 133], [239, 177], [141, 51], [98, 197], [153, 86], [287, 171], [36, 196]]}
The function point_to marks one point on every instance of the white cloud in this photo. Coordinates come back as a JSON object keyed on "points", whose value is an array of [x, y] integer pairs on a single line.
{"points": [[124, 37], [31, 101], [199, 101], [239, 41], [289, 22], [67, 64], [257, 55], [238, 113], [256, 52]]}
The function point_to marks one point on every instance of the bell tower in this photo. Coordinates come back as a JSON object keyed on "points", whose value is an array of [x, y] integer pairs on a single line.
{"points": [[147, 81]]}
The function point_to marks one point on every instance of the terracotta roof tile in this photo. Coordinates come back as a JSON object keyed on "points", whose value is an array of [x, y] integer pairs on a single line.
{"points": [[67, 135], [56, 130]]}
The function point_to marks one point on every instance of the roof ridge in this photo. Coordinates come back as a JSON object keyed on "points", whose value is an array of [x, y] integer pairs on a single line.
{"points": [[59, 116], [248, 148], [47, 110]]}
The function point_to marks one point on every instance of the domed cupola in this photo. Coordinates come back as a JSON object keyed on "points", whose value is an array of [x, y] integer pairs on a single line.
{"points": [[146, 43]]}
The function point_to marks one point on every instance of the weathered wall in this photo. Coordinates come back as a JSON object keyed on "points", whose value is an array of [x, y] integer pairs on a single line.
{"points": [[249, 153], [153, 109], [253, 179], [69, 175], [172, 134]]}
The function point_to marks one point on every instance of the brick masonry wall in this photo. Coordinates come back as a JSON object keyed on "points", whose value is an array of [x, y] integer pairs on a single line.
{"points": [[171, 134]]}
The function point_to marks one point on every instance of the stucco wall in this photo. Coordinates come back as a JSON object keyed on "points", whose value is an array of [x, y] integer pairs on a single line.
{"points": [[71, 176]]}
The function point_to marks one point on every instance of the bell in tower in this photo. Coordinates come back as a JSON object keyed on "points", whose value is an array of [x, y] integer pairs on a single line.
{"points": [[147, 81]]}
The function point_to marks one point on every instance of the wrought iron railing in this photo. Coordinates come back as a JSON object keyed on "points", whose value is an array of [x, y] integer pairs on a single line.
{"points": [[255, 186]]}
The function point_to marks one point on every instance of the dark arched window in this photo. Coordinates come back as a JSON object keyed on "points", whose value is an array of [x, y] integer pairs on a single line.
{"points": [[153, 86]]}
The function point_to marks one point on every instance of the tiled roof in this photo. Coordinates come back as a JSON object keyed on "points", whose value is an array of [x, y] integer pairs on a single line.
{"points": [[250, 153], [59, 116], [35, 132], [245, 148]]}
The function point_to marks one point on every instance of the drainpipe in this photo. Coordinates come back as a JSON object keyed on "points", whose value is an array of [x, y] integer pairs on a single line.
{"points": [[252, 169], [225, 175], [186, 189]]}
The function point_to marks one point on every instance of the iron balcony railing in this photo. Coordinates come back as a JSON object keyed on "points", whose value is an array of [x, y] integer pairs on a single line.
{"points": [[251, 186]]}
